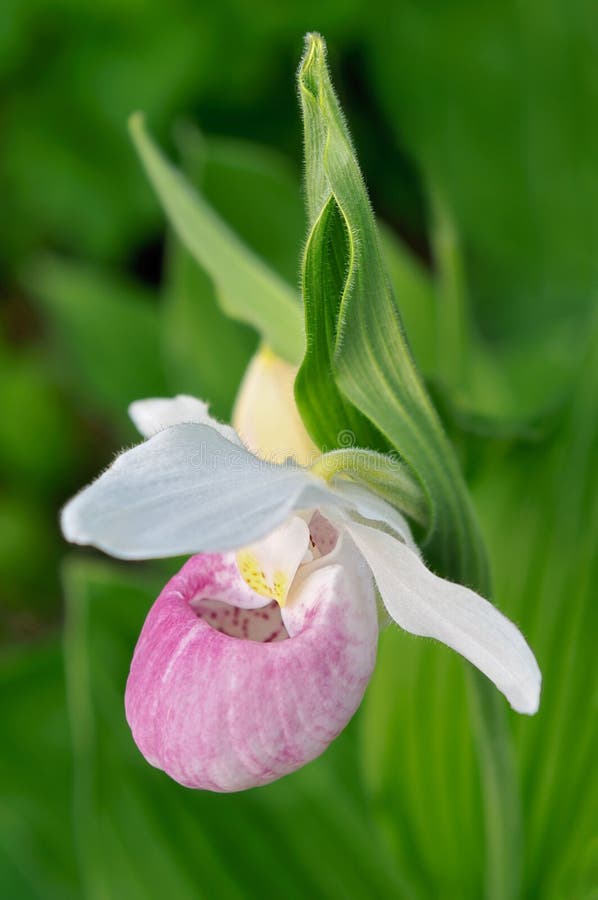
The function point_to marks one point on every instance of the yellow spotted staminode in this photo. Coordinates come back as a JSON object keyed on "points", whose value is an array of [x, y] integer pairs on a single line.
{"points": [[269, 566]]}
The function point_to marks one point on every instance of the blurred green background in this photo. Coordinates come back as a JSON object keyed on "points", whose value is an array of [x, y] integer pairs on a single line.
{"points": [[477, 129]]}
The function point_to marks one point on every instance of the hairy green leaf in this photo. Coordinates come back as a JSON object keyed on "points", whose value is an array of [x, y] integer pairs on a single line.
{"points": [[330, 417], [371, 361]]}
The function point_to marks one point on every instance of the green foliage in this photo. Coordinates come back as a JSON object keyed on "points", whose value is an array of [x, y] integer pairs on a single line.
{"points": [[36, 837], [551, 592], [32, 578], [246, 288], [71, 74], [206, 352], [421, 762], [484, 115], [39, 455], [415, 286], [106, 335], [32, 407], [492, 101], [420, 765]]}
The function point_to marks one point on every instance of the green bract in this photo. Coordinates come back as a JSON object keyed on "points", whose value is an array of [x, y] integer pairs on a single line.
{"points": [[382, 473], [364, 345]]}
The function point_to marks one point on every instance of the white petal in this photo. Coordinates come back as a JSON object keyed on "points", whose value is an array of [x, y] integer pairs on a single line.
{"points": [[156, 413], [427, 605], [186, 490]]}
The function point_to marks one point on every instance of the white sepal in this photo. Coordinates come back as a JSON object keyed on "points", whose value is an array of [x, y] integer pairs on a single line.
{"points": [[187, 490], [156, 413], [424, 604]]}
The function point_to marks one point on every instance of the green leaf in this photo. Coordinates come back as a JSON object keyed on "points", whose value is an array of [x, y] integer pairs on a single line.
{"points": [[124, 808], [372, 363], [237, 178], [453, 325], [330, 418], [247, 289], [197, 336]]}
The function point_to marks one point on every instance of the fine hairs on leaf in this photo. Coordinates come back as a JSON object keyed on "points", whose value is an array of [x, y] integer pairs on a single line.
{"points": [[368, 355]]}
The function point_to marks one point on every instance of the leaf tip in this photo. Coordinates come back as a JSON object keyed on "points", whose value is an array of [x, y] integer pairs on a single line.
{"points": [[314, 42], [314, 57], [136, 124]]}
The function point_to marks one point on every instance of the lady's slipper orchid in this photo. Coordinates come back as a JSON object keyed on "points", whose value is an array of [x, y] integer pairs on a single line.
{"points": [[258, 652], [229, 688]]}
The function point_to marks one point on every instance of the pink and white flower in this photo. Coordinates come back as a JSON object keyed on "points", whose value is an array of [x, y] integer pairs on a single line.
{"points": [[257, 653]]}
